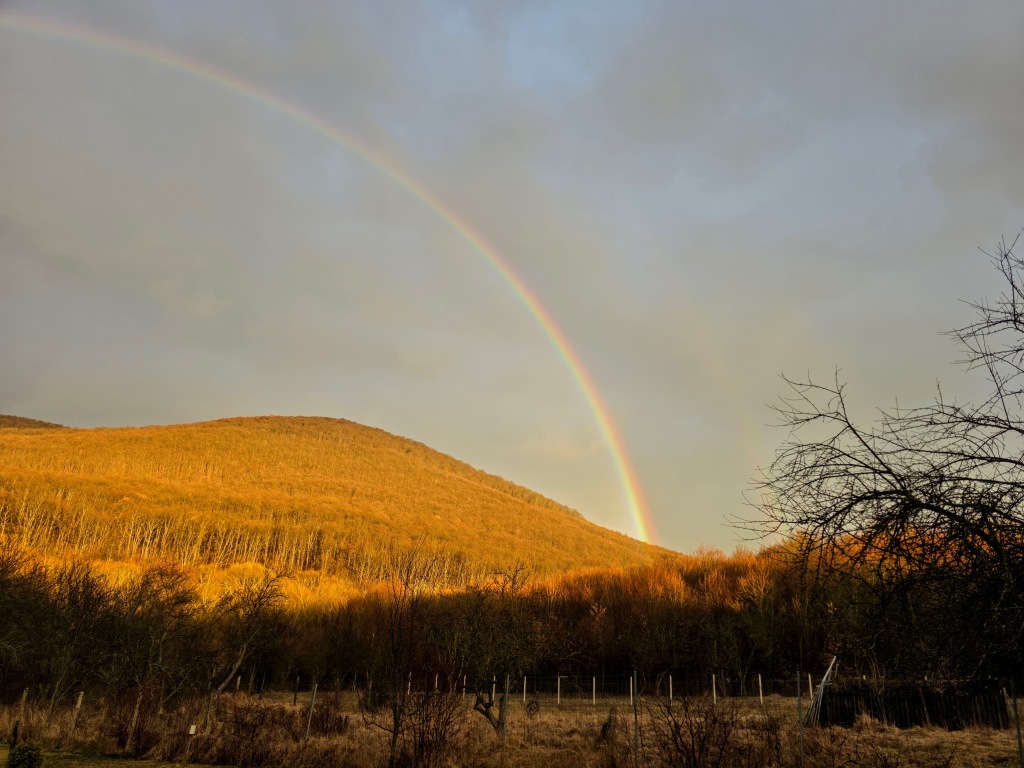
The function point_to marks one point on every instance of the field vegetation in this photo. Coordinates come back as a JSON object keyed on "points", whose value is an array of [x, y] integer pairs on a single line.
{"points": [[248, 730]]}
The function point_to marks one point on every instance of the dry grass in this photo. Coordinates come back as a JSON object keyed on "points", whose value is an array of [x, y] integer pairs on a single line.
{"points": [[575, 735]]}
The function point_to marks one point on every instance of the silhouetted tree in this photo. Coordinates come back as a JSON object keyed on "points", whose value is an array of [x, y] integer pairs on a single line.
{"points": [[925, 506]]}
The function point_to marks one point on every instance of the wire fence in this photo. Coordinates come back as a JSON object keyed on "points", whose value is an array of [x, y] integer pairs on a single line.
{"points": [[597, 693], [596, 686]]}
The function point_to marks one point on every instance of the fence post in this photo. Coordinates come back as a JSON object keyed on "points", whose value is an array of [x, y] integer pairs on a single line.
{"points": [[800, 717], [1016, 720], [524, 689], [593, 691], [631, 690], [714, 690], [503, 714], [309, 720], [636, 718], [558, 700], [760, 691], [295, 698], [670, 689], [74, 715]]}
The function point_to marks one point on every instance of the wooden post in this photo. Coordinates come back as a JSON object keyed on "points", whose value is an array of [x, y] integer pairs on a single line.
{"points": [[408, 687], [810, 687], [295, 698], [714, 690], [636, 719], [309, 720], [593, 691], [631, 690], [524, 689], [188, 742], [208, 725], [435, 681], [760, 690], [494, 687], [238, 683], [503, 714], [74, 715], [1016, 720], [134, 721], [670, 689], [558, 700], [800, 717], [463, 686], [21, 707]]}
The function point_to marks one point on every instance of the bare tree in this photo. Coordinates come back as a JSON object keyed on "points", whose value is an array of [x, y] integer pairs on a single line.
{"points": [[419, 723], [243, 617], [925, 505]]}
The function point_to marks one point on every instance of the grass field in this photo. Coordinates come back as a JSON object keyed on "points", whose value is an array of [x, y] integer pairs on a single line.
{"points": [[575, 734]]}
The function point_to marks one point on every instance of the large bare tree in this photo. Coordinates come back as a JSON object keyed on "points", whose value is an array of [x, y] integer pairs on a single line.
{"points": [[924, 504]]}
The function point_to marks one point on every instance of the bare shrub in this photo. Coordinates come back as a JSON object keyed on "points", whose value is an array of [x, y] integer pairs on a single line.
{"points": [[249, 734], [328, 718], [613, 742], [434, 723], [129, 720], [696, 732]]}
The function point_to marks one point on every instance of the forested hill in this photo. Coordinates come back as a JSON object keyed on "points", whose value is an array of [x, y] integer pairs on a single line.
{"points": [[297, 494]]}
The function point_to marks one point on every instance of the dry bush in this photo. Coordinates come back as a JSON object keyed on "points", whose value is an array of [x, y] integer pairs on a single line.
{"points": [[129, 720], [695, 732], [614, 741], [329, 719], [435, 729]]}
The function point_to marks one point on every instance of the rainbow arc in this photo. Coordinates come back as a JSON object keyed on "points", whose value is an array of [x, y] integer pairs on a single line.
{"points": [[159, 55]]}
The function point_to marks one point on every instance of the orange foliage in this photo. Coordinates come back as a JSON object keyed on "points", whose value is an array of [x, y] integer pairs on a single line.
{"points": [[319, 498]]}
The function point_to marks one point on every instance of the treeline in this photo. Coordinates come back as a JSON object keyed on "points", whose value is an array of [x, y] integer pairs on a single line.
{"points": [[66, 628]]}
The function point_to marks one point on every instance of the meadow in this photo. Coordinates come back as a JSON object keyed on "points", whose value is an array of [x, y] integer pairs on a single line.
{"points": [[270, 730]]}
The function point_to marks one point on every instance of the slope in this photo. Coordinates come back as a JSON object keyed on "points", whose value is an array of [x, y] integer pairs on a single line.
{"points": [[20, 422], [296, 494]]}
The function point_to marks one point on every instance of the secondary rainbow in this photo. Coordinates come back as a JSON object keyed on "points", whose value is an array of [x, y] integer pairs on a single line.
{"points": [[159, 55]]}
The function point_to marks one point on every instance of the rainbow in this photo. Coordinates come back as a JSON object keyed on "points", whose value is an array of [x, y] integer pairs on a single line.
{"points": [[156, 54]]}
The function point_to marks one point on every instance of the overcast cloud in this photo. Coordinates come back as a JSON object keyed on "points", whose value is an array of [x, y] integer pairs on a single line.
{"points": [[703, 195]]}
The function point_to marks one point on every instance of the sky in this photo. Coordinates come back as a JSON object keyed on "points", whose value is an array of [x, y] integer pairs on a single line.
{"points": [[700, 197]]}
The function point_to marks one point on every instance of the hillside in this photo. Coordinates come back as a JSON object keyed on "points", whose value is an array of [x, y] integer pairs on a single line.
{"points": [[20, 422], [311, 495]]}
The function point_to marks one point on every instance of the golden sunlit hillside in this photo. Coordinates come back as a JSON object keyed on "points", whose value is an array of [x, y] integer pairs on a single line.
{"points": [[302, 495]]}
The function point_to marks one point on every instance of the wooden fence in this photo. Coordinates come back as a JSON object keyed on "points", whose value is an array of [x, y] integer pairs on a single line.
{"points": [[953, 707]]}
